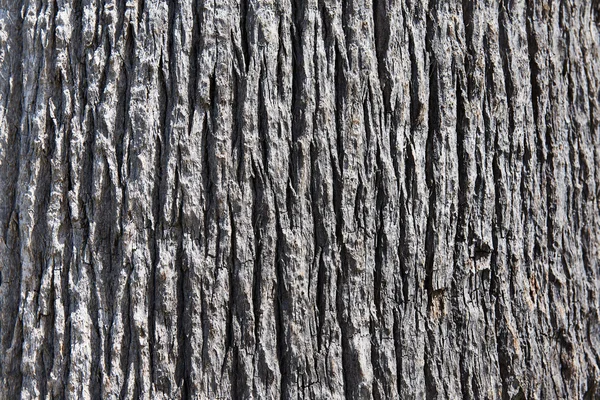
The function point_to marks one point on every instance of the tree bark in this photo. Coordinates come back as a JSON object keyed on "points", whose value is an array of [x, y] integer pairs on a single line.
{"points": [[299, 199]]}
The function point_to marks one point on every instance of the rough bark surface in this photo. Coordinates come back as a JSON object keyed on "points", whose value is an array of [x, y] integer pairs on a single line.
{"points": [[299, 199]]}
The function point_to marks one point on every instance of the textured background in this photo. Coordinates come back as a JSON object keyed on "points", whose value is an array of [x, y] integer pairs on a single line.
{"points": [[306, 199]]}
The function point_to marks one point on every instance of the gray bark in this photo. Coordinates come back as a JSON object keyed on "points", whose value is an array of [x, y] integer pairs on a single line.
{"points": [[299, 199]]}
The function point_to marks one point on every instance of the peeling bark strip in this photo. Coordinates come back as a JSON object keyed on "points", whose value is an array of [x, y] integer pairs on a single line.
{"points": [[299, 199]]}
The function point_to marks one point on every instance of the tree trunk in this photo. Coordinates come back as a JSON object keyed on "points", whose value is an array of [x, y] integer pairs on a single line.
{"points": [[299, 199]]}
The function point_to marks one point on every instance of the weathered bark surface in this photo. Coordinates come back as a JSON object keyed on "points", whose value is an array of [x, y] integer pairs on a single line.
{"points": [[299, 199]]}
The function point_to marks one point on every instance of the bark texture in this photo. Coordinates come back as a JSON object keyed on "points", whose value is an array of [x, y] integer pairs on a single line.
{"points": [[299, 199]]}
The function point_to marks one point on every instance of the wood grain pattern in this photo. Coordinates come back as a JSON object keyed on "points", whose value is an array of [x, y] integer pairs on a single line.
{"points": [[364, 199]]}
